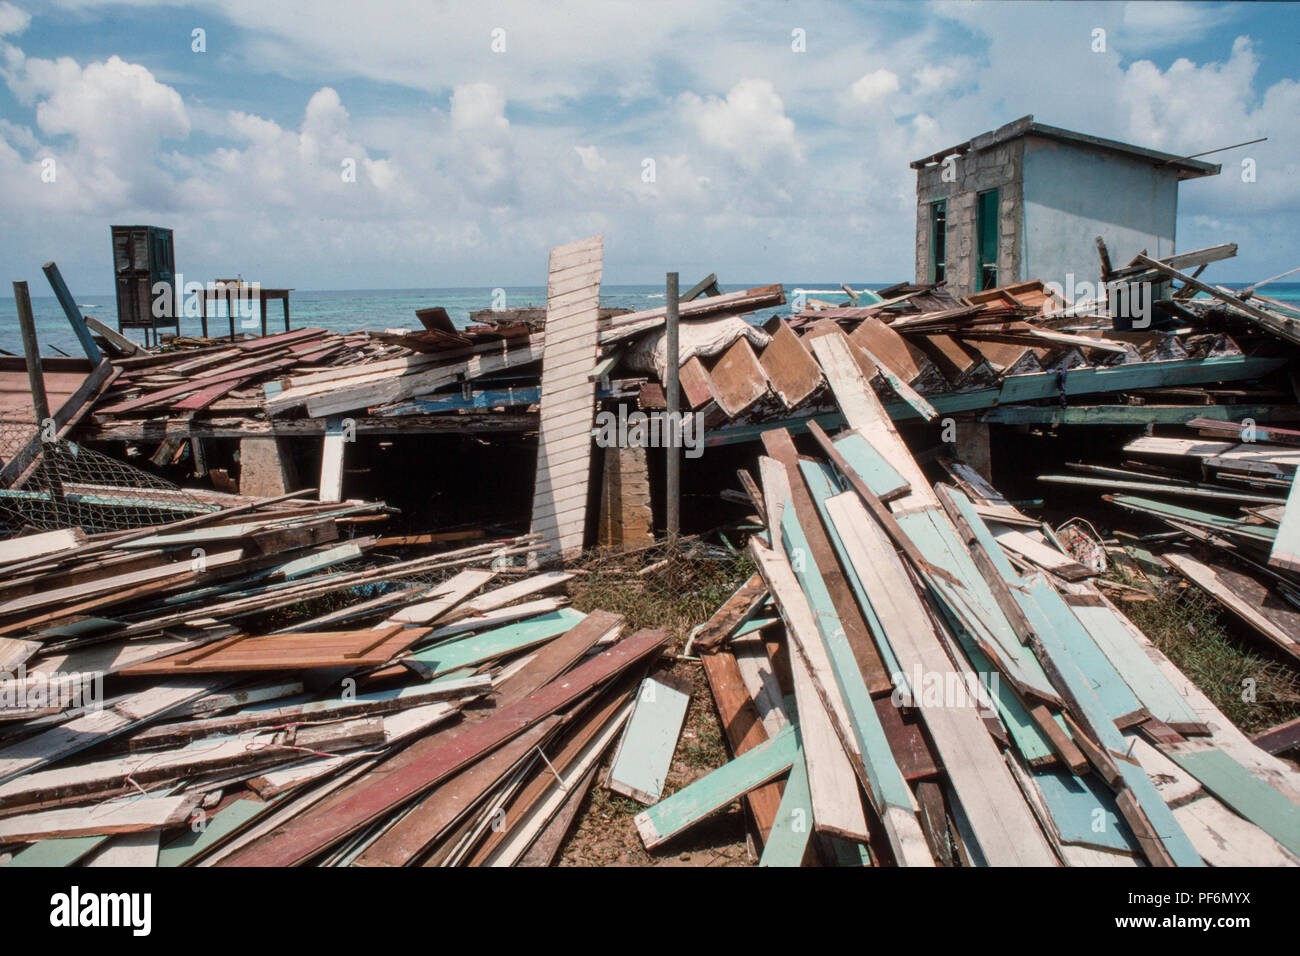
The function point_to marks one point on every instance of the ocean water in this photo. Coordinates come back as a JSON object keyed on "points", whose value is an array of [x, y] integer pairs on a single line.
{"points": [[379, 309]]}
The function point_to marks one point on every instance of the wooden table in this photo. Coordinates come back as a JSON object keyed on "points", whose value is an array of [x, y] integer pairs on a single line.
{"points": [[232, 294]]}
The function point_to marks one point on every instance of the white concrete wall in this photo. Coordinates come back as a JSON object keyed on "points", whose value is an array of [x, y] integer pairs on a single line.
{"points": [[1072, 195]]}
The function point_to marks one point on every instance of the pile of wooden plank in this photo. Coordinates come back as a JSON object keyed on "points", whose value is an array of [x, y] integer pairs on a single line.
{"points": [[910, 678], [153, 714], [1227, 513], [1017, 354]]}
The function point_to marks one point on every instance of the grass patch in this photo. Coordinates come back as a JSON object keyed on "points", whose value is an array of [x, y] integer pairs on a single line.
{"points": [[1192, 630]]}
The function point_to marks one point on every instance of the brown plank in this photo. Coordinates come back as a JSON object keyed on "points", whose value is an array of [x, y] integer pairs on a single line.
{"points": [[793, 372], [780, 446], [433, 759], [738, 380], [744, 729], [696, 386], [731, 614]]}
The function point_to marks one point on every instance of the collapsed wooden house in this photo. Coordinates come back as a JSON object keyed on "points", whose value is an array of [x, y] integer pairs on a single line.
{"points": [[917, 673]]}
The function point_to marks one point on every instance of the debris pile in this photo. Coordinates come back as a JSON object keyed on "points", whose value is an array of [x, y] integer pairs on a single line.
{"points": [[917, 676], [151, 713]]}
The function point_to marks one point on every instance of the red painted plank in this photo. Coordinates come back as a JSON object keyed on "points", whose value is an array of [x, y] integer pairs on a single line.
{"points": [[307, 835]]}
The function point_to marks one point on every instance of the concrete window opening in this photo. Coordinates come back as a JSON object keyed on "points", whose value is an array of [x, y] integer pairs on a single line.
{"points": [[938, 240], [986, 227]]}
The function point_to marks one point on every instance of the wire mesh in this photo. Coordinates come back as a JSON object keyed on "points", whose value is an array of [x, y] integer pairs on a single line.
{"points": [[72, 486]]}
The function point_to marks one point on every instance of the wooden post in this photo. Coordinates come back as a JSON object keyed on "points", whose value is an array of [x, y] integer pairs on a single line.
{"points": [[36, 377], [70, 309], [673, 482]]}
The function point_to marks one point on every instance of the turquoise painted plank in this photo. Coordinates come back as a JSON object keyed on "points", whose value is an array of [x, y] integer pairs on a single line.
{"points": [[1084, 811], [314, 562], [1245, 793], [822, 485], [1286, 545], [1265, 534], [973, 603], [1130, 414], [787, 843], [219, 826], [1044, 385], [754, 624], [1141, 674], [1047, 611], [485, 645], [63, 852], [645, 751], [849, 853], [887, 782], [711, 793], [1153, 805], [881, 477], [1024, 733]]}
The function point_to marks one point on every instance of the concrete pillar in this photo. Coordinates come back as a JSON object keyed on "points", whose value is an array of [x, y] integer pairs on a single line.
{"points": [[626, 519], [972, 446], [266, 468]]}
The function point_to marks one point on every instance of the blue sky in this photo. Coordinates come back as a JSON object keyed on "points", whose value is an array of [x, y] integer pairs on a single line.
{"points": [[769, 164]]}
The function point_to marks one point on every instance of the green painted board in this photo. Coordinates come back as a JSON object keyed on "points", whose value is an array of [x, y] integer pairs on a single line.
{"points": [[314, 562], [887, 782], [822, 485], [1025, 734], [1245, 793], [1047, 611], [1153, 805], [973, 603], [63, 852], [1265, 534], [1141, 674], [754, 624], [230, 819], [1286, 546], [645, 751], [1128, 414], [881, 477], [497, 642], [787, 843], [1041, 385], [1084, 811], [711, 793]]}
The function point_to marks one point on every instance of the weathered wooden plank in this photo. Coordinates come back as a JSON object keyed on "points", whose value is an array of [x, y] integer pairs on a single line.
{"points": [[744, 729], [417, 768], [788, 843], [1207, 578], [1000, 820], [573, 311], [1286, 547], [737, 378], [645, 751], [794, 374], [129, 815], [709, 794], [1245, 793]]}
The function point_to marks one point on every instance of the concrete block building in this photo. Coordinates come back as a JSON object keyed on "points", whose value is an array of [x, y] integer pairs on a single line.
{"points": [[1027, 201]]}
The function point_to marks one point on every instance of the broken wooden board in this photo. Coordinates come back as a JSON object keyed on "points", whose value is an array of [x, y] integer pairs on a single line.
{"points": [[738, 379], [568, 396], [1209, 580], [793, 372], [706, 796], [645, 751]]}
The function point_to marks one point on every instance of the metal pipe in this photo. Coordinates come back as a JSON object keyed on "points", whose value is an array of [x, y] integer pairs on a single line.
{"points": [[673, 482]]}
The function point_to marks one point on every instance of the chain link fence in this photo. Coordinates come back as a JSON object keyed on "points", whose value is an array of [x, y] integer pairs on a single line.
{"points": [[72, 486]]}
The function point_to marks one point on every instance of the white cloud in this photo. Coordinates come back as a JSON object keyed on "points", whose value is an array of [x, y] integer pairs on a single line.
{"points": [[13, 19], [1155, 26], [749, 125], [874, 87]]}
